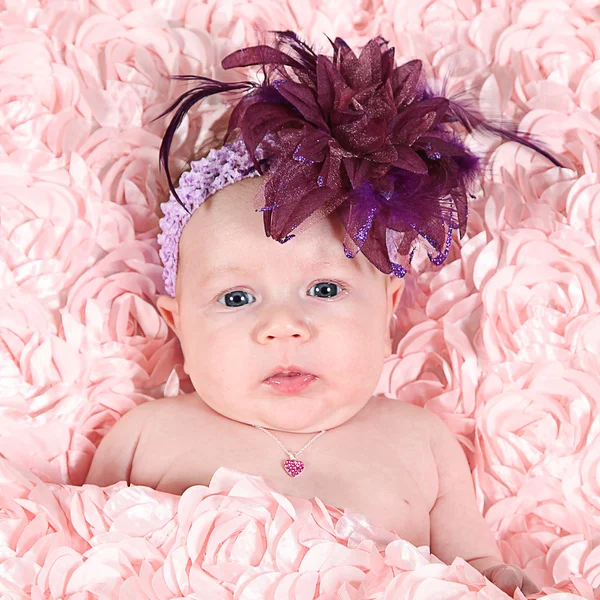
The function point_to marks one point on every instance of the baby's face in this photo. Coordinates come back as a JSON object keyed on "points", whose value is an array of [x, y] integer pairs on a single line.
{"points": [[282, 313]]}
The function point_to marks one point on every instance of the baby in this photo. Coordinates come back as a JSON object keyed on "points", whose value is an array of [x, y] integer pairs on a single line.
{"points": [[285, 343], [247, 309]]}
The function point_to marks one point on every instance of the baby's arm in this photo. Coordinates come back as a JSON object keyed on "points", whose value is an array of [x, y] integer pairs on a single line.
{"points": [[113, 459], [457, 526]]}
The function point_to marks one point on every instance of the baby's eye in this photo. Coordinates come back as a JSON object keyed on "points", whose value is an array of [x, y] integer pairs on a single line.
{"points": [[328, 288], [235, 298]]}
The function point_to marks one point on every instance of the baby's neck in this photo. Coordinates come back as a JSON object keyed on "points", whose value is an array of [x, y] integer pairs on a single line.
{"points": [[294, 435]]}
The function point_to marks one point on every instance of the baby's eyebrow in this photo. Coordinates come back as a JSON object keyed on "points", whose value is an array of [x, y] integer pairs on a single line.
{"points": [[223, 270]]}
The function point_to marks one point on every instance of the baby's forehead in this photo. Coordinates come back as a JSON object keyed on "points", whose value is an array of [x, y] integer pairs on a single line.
{"points": [[227, 226], [254, 255]]}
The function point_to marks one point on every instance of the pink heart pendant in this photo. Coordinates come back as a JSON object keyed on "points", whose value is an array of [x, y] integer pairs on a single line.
{"points": [[293, 467]]}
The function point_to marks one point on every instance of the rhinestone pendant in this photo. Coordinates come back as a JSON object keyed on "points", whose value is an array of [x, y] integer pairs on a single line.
{"points": [[293, 467]]}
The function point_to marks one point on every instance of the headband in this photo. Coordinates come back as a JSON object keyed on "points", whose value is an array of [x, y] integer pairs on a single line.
{"points": [[352, 135]]}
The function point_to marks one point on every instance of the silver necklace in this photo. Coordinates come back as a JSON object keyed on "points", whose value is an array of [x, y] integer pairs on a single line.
{"points": [[293, 467]]}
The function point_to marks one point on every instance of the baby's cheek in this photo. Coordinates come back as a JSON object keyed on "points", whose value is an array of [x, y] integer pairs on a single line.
{"points": [[356, 357], [215, 374]]}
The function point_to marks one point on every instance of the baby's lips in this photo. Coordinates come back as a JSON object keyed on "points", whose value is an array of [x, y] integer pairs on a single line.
{"points": [[286, 371], [294, 374]]}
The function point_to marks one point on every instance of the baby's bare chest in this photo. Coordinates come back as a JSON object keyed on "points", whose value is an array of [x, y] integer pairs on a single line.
{"points": [[384, 471]]}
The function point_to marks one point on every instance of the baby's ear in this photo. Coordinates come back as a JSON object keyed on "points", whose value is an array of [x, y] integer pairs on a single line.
{"points": [[394, 289], [169, 309]]}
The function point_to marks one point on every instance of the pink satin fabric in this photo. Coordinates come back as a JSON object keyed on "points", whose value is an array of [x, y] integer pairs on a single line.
{"points": [[503, 341], [236, 538]]}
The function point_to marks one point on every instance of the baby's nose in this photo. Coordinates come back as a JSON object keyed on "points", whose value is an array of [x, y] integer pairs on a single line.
{"points": [[283, 324]]}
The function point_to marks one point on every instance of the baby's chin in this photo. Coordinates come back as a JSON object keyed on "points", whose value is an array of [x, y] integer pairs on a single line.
{"points": [[294, 414]]}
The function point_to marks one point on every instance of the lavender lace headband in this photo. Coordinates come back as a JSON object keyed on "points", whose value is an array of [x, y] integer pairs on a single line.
{"points": [[354, 136]]}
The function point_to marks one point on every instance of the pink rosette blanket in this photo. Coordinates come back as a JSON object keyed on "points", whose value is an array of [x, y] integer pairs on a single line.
{"points": [[237, 538], [502, 340]]}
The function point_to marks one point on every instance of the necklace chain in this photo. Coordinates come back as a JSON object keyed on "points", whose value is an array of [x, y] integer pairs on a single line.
{"points": [[290, 454]]}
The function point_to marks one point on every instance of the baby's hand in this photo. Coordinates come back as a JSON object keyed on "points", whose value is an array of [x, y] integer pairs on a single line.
{"points": [[510, 577]]}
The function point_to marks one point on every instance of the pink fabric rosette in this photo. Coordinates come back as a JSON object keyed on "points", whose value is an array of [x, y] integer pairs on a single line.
{"points": [[502, 340]]}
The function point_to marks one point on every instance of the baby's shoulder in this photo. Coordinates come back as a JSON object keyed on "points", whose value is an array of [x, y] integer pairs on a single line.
{"points": [[113, 459], [432, 423], [164, 413], [165, 424], [410, 417], [163, 407]]}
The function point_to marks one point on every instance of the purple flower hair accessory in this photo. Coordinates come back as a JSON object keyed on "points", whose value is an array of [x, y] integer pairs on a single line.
{"points": [[354, 136]]}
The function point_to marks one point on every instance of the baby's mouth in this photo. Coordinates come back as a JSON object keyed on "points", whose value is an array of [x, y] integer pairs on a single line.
{"points": [[289, 379], [290, 383], [289, 375], [281, 371]]}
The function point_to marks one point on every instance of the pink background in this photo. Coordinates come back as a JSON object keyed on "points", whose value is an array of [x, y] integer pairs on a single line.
{"points": [[503, 341]]}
